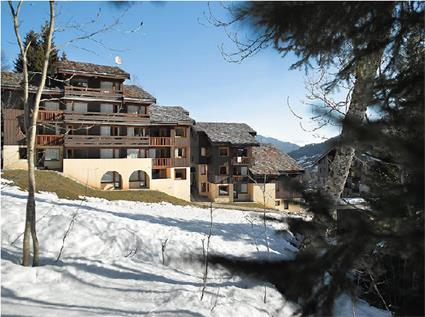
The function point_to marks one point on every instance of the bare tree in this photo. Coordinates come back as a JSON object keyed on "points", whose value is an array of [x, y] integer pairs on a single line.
{"points": [[31, 114]]}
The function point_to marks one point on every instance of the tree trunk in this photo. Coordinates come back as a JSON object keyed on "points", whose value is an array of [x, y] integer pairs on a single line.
{"points": [[366, 70]]}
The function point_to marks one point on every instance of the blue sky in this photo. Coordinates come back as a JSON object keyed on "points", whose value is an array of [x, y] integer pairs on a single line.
{"points": [[175, 56]]}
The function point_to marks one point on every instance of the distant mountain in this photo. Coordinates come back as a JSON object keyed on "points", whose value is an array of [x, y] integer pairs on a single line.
{"points": [[281, 145], [308, 154]]}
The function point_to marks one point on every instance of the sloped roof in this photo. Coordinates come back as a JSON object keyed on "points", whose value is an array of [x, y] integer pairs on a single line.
{"points": [[268, 160], [91, 68], [224, 132], [169, 115], [137, 92], [14, 80]]}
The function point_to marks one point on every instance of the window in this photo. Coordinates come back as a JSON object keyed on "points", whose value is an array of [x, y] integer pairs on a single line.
{"points": [[78, 107], [106, 153], [223, 170], [23, 153], [180, 173], [105, 130], [79, 82], [223, 190], [159, 173], [180, 152], [52, 155], [132, 153], [244, 170], [203, 151], [51, 105], [203, 169], [203, 187], [286, 204], [223, 151], [277, 203], [106, 108], [244, 188], [106, 86], [241, 152], [139, 132], [132, 109], [181, 132]]}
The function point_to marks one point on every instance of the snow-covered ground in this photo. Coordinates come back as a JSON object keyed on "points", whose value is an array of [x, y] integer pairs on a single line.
{"points": [[111, 263]]}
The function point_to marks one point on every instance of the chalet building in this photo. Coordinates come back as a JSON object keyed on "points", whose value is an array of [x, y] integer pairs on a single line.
{"points": [[354, 185], [97, 130], [275, 175], [229, 165], [221, 157]]}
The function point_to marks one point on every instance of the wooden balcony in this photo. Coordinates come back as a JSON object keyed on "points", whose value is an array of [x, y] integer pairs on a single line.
{"points": [[92, 92], [105, 117], [161, 141], [240, 178], [181, 142], [104, 141], [49, 140], [50, 115], [181, 162], [241, 160], [162, 162]]}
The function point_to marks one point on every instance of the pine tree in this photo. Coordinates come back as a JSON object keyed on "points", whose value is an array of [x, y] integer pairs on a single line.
{"points": [[36, 51], [385, 243]]}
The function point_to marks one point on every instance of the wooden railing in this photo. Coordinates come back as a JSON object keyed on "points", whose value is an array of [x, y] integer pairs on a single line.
{"points": [[50, 115], [81, 117], [96, 92], [241, 160], [181, 142], [162, 162], [161, 141], [104, 140], [181, 162], [239, 178], [49, 140]]}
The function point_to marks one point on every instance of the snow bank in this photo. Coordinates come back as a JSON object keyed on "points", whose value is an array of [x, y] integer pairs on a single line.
{"points": [[112, 264]]}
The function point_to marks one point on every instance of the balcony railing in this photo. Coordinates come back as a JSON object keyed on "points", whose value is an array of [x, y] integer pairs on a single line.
{"points": [[105, 117], [50, 115], [181, 162], [104, 140], [241, 160], [240, 178], [162, 162], [91, 92], [181, 142], [161, 141], [49, 140]]}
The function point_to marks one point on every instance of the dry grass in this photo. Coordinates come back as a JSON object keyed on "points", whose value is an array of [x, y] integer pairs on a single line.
{"points": [[64, 187]]}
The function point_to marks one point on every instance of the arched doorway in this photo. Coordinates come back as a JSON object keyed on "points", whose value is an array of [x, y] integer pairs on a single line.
{"points": [[139, 179], [111, 180]]}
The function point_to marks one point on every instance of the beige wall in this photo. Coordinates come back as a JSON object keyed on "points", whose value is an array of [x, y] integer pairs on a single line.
{"points": [[92, 170], [293, 206], [179, 188], [213, 194], [258, 193], [11, 158]]}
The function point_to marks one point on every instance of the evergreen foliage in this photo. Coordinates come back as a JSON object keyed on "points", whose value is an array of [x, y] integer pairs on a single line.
{"points": [[35, 55], [375, 253]]}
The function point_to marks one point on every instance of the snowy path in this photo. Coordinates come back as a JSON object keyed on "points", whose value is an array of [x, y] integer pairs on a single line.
{"points": [[112, 263]]}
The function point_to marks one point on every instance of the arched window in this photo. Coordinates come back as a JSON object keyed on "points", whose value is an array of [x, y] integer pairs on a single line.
{"points": [[139, 179], [111, 180]]}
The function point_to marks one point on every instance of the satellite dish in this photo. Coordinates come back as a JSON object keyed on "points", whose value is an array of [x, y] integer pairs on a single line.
{"points": [[118, 60]]}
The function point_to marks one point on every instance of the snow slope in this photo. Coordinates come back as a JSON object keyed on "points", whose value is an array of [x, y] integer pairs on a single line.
{"points": [[112, 264]]}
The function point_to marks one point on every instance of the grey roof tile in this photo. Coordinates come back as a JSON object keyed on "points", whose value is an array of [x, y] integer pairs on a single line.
{"points": [[224, 132], [169, 114], [268, 160], [137, 92], [91, 68]]}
